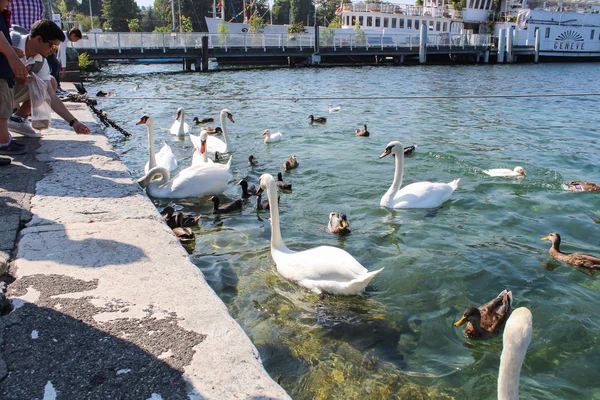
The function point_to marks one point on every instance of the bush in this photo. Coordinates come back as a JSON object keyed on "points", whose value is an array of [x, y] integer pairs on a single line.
{"points": [[84, 62]]}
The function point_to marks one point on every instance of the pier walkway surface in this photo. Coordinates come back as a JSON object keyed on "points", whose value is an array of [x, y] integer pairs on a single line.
{"points": [[107, 304]]}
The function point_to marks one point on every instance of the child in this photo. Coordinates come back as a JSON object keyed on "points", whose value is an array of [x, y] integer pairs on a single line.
{"points": [[9, 63]]}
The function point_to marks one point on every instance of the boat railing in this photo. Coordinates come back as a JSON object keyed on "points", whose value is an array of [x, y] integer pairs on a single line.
{"points": [[140, 40]]}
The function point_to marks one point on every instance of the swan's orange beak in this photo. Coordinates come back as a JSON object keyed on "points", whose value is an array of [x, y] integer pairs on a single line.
{"points": [[386, 152], [230, 118], [142, 120], [523, 173], [203, 147], [264, 133]]}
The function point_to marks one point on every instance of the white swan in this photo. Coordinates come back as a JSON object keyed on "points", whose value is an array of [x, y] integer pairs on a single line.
{"points": [[272, 137], [415, 195], [334, 109], [165, 157], [215, 144], [516, 339], [320, 269], [179, 127], [505, 172], [200, 156]]}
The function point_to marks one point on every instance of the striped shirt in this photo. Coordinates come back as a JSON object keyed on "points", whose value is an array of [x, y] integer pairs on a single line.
{"points": [[26, 12]]}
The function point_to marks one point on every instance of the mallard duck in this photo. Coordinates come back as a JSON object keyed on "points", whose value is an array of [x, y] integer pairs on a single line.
{"points": [[272, 137], [581, 186], [409, 150], [363, 132], [210, 130], [185, 235], [575, 259], [290, 163], [338, 223], [198, 121], [516, 339], [281, 184], [169, 217], [252, 161], [488, 320], [180, 219], [505, 172], [263, 204], [235, 205], [319, 269], [247, 191], [318, 120]]}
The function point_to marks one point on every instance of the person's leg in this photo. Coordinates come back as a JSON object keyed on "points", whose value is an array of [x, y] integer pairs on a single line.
{"points": [[54, 67], [7, 145], [18, 121]]}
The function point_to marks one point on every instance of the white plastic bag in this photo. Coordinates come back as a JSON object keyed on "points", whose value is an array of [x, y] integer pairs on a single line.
{"points": [[40, 103]]}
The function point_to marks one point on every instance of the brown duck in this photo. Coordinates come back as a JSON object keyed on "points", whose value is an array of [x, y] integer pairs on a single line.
{"points": [[199, 121], [409, 150], [281, 184], [363, 132], [575, 259], [338, 223], [318, 120], [581, 186], [263, 204], [488, 320], [235, 205], [290, 163]]}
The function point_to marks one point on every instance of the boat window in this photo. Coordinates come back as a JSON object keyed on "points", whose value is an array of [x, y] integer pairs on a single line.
{"points": [[394, 22], [369, 21], [592, 35], [401, 23], [409, 24], [445, 27], [386, 22], [430, 25], [377, 22], [416, 24], [353, 20], [547, 33], [437, 26], [361, 21]]}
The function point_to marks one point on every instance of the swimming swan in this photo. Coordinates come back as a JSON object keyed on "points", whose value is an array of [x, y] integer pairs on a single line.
{"points": [[505, 172], [415, 195], [272, 137], [200, 155], [516, 339], [179, 127], [165, 157], [320, 269]]}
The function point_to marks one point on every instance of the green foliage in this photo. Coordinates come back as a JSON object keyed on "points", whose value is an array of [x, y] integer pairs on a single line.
{"points": [[119, 12], [257, 25], [186, 24], [163, 29], [148, 23], [361, 36], [297, 28], [281, 12], [327, 36], [336, 22], [419, 3], [223, 28], [458, 5], [84, 62], [134, 25], [300, 9], [85, 21]]}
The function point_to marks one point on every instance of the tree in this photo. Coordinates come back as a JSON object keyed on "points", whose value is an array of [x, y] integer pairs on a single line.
{"points": [[148, 22], [119, 12], [281, 12], [186, 25], [300, 10], [134, 25]]}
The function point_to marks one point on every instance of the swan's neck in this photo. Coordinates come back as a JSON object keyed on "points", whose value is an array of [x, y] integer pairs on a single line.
{"points": [[276, 240], [510, 370], [181, 131], [224, 129], [151, 156], [398, 175], [157, 188]]}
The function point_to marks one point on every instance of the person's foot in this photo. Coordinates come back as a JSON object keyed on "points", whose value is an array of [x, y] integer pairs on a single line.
{"points": [[13, 148], [60, 92], [21, 125]]}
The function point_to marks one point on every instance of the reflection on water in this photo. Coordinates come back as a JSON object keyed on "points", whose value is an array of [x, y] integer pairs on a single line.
{"points": [[396, 341]]}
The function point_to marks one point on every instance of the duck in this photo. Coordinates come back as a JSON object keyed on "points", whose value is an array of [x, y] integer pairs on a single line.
{"points": [[217, 145], [281, 184], [201, 151], [415, 195], [165, 157], [252, 161], [169, 217], [247, 191], [334, 109], [272, 137], [211, 131], [235, 205], [198, 121], [581, 186], [318, 120], [185, 235], [319, 269], [488, 320], [575, 259], [363, 132], [515, 341], [409, 150], [180, 127], [263, 204], [505, 172], [290, 163], [338, 223]]}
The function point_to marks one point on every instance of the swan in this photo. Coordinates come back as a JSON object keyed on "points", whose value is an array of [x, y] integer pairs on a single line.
{"points": [[320, 269], [200, 156], [415, 195], [516, 339], [216, 145], [179, 127], [165, 157], [334, 109], [505, 172], [272, 137]]}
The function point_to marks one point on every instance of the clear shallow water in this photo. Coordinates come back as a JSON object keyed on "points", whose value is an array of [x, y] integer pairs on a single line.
{"points": [[398, 339]]}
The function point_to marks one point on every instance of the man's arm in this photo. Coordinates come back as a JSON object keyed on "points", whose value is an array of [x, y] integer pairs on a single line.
{"points": [[59, 108], [15, 63]]}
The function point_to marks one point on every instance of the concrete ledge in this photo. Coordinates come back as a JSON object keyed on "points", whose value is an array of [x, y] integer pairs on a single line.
{"points": [[110, 304]]}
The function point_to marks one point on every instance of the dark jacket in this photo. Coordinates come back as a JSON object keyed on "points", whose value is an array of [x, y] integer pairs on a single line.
{"points": [[6, 72]]}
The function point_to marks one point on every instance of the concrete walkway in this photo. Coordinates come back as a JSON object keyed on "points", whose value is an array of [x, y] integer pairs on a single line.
{"points": [[107, 302]]}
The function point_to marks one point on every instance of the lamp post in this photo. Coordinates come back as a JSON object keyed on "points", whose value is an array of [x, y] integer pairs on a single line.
{"points": [[173, 13], [91, 17]]}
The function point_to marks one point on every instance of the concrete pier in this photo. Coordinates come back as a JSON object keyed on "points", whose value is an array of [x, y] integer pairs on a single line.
{"points": [[107, 302]]}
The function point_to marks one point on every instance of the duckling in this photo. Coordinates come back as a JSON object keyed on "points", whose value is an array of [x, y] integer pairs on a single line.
{"points": [[290, 163], [409, 150], [235, 205], [488, 320], [263, 204], [581, 186], [338, 223], [198, 121], [363, 132], [252, 161], [318, 120], [281, 184], [247, 191], [272, 137], [575, 259]]}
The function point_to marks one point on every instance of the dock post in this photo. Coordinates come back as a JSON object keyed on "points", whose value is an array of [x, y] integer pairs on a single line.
{"points": [[536, 56], [198, 64], [204, 54], [187, 64], [316, 57], [509, 45], [486, 56], [423, 45], [501, 46]]}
